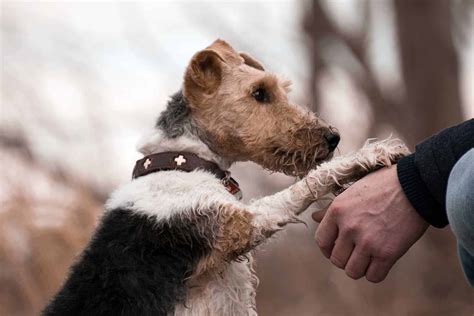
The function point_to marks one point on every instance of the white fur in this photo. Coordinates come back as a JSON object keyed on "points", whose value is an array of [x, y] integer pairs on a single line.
{"points": [[166, 193], [231, 291]]}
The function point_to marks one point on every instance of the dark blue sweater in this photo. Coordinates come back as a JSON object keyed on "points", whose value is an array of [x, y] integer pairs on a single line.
{"points": [[424, 174]]}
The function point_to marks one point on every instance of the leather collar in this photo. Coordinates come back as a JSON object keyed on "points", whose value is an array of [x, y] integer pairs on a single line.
{"points": [[187, 162]]}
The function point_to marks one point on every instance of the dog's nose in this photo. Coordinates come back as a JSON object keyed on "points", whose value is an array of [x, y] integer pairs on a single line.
{"points": [[333, 140]]}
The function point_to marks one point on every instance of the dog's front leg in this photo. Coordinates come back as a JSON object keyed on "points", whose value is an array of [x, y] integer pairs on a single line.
{"points": [[275, 211], [242, 228]]}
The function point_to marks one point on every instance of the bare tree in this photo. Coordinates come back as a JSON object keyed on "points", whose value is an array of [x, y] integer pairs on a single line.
{"points": [[430, 67], [430, 100]]}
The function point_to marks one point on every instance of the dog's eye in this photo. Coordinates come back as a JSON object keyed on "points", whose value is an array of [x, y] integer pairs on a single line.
{"points": [[261, 95]]}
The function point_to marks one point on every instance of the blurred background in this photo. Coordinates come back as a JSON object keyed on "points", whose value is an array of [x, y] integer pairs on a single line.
{"points": [[82, 81]]}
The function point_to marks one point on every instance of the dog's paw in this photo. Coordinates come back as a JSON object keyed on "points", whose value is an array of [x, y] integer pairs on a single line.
{"points": [[383, 153], [337, 174]]}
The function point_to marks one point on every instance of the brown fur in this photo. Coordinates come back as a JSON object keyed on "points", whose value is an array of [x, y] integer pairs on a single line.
{"points": [[250, 61], [236, 232], [235, 236], [276, 134]]}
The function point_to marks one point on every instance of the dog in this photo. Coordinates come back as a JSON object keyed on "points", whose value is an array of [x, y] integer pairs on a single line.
{"points": [[177, 240]]}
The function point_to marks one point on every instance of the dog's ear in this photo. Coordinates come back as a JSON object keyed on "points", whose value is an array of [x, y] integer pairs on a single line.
{"points": [[252, 62], [204, 73]]}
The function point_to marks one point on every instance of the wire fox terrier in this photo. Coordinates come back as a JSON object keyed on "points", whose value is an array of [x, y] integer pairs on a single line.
{"points": [[173, 240]]}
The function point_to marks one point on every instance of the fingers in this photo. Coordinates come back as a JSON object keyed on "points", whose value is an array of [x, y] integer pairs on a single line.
{"points": [[358, 263], [368, 227], [319, 215], [342, 252], [378, 269], [326, 235]]}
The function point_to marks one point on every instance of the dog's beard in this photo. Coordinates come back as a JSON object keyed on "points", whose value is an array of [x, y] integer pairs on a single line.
{"points": [[296, 162]]}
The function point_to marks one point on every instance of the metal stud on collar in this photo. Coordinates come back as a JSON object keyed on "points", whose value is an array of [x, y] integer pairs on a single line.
{"points": [[147, 163], [180, 160]]}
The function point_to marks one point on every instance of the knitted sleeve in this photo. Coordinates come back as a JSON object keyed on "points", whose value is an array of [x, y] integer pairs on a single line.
{"points": [[424, 174]]}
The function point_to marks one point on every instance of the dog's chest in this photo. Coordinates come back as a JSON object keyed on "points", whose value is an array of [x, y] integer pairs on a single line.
{"points": [[229, 292]]}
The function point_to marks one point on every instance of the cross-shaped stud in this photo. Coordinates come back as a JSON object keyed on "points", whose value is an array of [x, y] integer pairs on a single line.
{"points": [[147, 163], [180, 160]]}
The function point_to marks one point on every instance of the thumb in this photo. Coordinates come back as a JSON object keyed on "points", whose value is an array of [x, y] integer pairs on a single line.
{"points": [[319, 215]]}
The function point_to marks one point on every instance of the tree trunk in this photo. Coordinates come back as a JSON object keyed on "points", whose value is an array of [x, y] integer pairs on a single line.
{"points": [[429, 68]]}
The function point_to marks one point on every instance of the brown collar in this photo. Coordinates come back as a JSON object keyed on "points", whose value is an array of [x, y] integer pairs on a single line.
{"points": [[184, 161]]}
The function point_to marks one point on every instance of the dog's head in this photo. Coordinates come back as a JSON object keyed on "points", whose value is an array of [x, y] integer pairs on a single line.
{"points": [[244, 113]]}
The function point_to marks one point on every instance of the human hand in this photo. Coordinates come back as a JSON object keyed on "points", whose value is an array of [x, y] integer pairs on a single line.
{"points": [[369, 226]]}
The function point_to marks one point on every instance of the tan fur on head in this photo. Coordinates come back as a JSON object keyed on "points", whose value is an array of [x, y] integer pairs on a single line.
{"points": [[220, 85], [249, 60], [204, 72]]}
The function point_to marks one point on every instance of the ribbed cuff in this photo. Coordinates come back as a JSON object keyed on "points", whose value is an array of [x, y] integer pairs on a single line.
{"points": [[418, 194]]}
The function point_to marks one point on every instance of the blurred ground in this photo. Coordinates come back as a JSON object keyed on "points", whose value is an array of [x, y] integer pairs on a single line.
{"points": [[80, 82]]}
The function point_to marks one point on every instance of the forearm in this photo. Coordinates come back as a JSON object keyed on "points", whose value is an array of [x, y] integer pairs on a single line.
{"points": [[424, 174]]}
